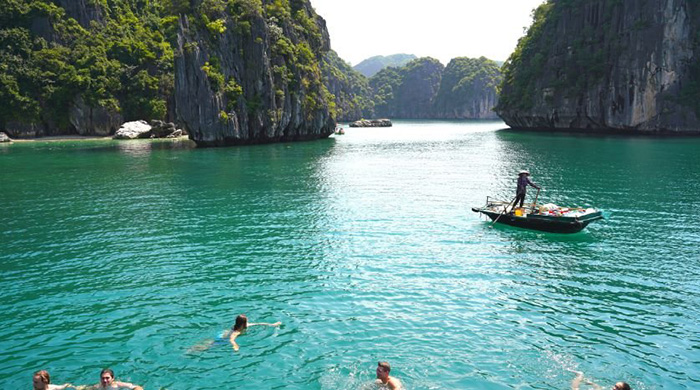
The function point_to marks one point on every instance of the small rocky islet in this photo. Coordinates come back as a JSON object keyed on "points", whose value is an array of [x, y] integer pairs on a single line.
{"points": [[371, 123], [141, 129]]}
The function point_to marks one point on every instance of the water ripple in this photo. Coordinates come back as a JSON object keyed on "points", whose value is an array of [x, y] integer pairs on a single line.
{"points": [[365, 247]]}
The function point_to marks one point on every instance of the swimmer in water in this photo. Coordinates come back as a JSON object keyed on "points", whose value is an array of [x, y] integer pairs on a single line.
{"points": [[42, 381], [230, 335], [240, 326], [383, 378], [107, 382], [576, 383]]}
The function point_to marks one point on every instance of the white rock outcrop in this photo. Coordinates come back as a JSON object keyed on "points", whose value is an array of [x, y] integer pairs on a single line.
{"points": [[372, 123], [132, 130]]}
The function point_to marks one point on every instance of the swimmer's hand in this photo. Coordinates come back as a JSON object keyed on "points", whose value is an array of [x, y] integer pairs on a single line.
{"points": [[235, 347], [278, 323], [576, 382]]}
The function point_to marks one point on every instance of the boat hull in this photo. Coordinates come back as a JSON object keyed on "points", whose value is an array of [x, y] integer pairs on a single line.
{"points": [[542, 222]]}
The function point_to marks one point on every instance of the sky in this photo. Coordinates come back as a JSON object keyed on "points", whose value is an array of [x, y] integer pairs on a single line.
{"points": [[442, 29]]}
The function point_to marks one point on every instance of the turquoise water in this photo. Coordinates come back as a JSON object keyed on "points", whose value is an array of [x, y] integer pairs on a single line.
{"points": [[126, 254]]}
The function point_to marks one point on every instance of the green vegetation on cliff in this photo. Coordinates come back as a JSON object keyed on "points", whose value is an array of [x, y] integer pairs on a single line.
{"points": [[690, 92], [408, 91], [524, 65], [296, 46], [118, 60], [385, 86], [62, 57], [424, 88], [71, 66], [607, 65], [468, 83], [350, 88], [585, 61]]}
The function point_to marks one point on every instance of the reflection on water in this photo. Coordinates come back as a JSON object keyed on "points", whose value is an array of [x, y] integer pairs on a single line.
{"points": [[365, 247], [135, 148]]}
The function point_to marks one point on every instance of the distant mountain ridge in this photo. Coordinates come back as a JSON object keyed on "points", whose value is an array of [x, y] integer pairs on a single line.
{"points": [[373, 65], [421, 89]]}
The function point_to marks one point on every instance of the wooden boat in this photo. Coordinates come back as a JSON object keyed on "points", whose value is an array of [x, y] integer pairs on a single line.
{"points": [[548, 218]]}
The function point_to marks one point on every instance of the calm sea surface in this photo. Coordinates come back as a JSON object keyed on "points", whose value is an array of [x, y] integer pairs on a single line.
{"points": [[127, 254]]}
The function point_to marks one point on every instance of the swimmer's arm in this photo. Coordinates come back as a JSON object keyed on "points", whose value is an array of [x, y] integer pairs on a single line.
{"points": [[394, 384], [232, 339], [60, 387], [86, 387], [595, 385], [576, 382], [278, 323], [128, 385]]}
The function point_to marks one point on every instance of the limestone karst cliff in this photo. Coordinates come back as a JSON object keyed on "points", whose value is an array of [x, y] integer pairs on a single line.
{"points": [[231, 71], [353, 97], [248, 71], [228, 71], [606, 65], [408, 91], [468, 89], [82, 67], [425, 89]]}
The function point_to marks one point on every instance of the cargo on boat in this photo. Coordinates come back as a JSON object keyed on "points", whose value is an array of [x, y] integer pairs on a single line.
{"points": [[548, 217]]}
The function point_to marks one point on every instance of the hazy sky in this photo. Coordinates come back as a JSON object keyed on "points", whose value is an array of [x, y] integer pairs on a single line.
{"points": [[442, 29]]}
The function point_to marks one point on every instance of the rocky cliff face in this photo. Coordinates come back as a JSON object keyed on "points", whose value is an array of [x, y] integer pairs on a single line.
{"points": [[407, 92], [247, 72], [82, 66], [468, 89], [606, 64], [416, 94], [244, 71], [83, 11], [425, 89], [353, 97]]}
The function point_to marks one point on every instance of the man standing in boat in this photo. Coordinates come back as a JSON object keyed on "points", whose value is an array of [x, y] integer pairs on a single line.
{"points": [[523, 182]]}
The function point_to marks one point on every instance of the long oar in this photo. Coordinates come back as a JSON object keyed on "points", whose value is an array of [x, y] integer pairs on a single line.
{"points": [[532, 209], [504, 211]]}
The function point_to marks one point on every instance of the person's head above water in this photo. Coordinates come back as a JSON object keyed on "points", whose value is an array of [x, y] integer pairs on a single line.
{"points": [[383, 369], [41, 380], [621, 386], [106, 377], [241, 323]]}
